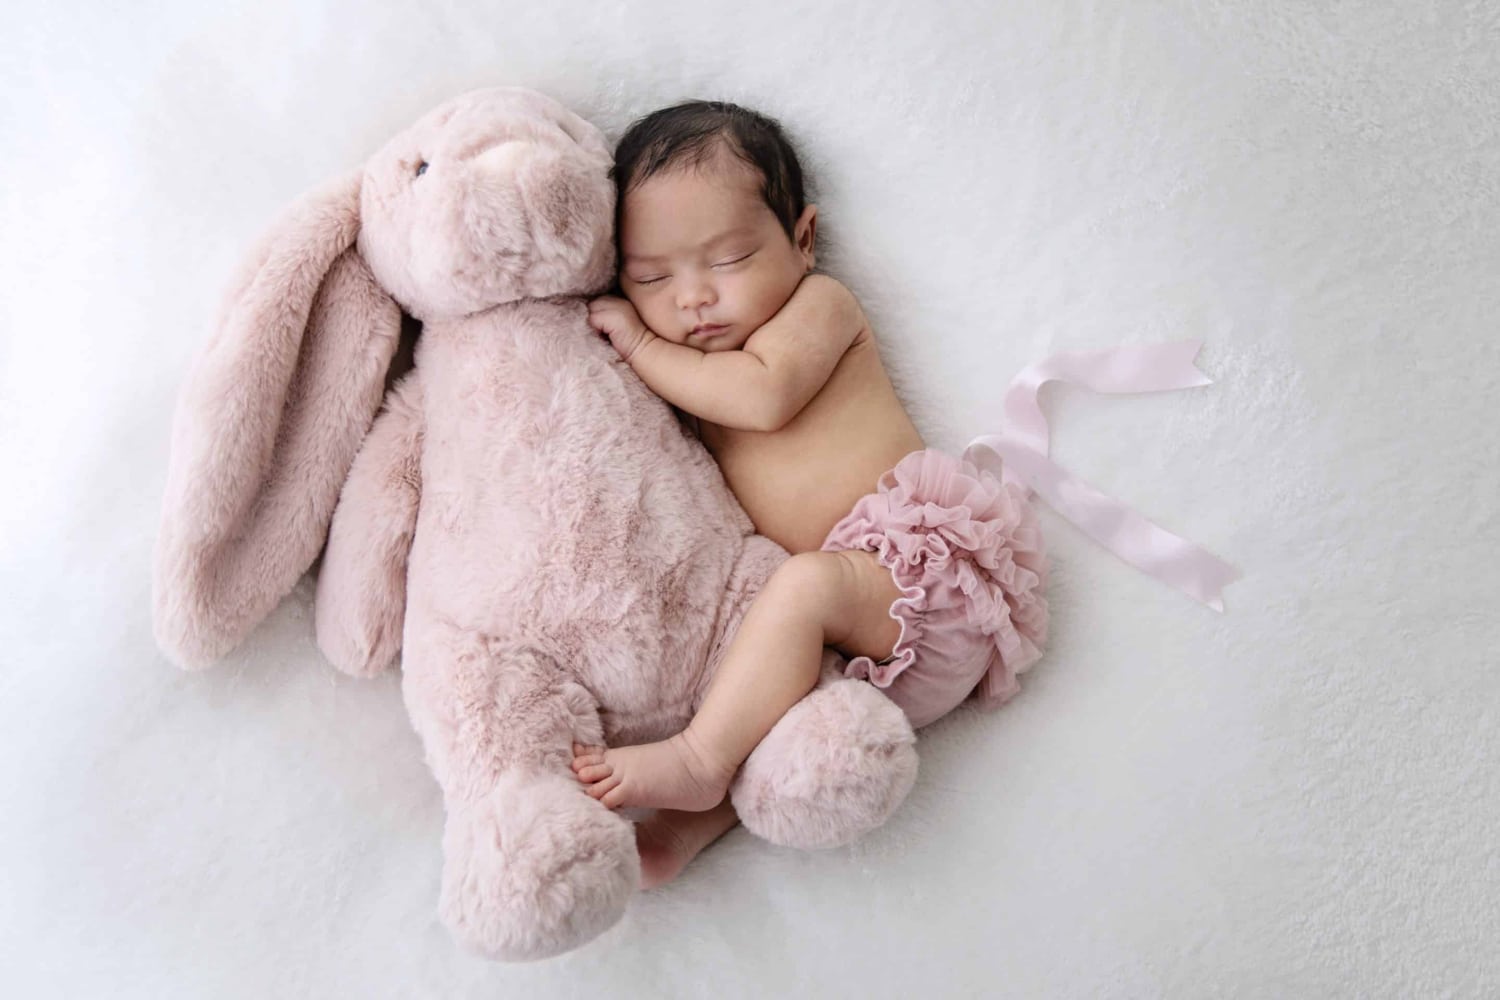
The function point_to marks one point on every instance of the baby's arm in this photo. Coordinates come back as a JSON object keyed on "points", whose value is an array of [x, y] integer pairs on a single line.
{"points": [[764, 384]]}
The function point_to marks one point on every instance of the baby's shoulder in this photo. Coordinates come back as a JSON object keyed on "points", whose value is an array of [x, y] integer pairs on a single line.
{"points": [[826, 286], [832, 294]]}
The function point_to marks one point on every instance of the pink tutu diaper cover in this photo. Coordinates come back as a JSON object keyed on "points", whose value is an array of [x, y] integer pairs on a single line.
{"points": [[966, 552]]}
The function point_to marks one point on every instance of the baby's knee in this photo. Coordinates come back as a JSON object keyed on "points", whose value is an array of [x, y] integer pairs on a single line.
{"points": [[845, 591], [809, 579]]}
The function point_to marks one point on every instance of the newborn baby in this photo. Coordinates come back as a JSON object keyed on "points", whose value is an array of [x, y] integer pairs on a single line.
{"points": [[933, 584]]}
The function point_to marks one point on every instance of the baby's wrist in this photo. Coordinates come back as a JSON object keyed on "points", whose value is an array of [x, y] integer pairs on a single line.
{"points": [[643, 336]]}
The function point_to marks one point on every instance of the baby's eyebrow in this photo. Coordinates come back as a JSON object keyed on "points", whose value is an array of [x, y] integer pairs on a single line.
{"points": [[638, 258]]}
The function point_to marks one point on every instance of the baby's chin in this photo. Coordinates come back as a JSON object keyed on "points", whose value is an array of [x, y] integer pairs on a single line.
{"points": [[728, 339]]}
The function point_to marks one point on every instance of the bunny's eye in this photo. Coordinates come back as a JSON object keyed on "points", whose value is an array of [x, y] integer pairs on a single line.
{"points": [[421, 168]]}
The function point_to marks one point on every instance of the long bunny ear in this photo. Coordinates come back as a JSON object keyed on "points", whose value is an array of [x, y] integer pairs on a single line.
{"points": [[267, 426]]}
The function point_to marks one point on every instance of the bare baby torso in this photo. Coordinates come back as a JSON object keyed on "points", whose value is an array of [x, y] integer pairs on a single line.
{"points": [[797, 482]]}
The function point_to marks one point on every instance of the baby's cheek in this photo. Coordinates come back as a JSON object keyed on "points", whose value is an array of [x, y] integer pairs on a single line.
{"points": [[658, 324], [760, 301], [642, 306]]}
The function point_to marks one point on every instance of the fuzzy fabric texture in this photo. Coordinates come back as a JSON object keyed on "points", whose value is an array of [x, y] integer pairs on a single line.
{"points": [[1296, 798], [526, 523], [269, 421]]}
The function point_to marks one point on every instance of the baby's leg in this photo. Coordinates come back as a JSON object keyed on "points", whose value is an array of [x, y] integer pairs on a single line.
{"points": [[813, 600]]}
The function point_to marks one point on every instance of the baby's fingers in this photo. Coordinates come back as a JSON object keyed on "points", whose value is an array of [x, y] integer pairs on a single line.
{"points": [[607, 308], [602, 322]]}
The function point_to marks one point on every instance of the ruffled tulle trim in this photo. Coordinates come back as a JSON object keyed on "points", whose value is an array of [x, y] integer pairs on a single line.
{"points": [[944, 528]]}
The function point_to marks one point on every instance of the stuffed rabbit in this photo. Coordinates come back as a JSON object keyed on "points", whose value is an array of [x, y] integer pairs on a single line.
{"points": [[553, 558]]}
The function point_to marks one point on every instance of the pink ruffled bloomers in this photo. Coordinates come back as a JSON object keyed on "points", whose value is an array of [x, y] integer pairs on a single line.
{"points": [[967, 555]]}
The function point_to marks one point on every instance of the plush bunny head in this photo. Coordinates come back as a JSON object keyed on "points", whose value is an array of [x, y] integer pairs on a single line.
{"points": [[497, 195]]}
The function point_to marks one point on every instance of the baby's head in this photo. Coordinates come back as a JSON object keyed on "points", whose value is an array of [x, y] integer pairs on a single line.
{"points": [[714, 233]]}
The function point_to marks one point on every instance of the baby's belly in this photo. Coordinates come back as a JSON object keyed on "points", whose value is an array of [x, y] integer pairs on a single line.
{"points": [[796, 483], [796, 487]]}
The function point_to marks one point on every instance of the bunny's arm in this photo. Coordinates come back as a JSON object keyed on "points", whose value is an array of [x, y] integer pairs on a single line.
{"points": [[361, 600]]}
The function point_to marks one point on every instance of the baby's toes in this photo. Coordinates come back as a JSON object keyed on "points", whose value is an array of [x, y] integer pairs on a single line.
{"points": [[588, 759], [594, 772], [600, 789]]}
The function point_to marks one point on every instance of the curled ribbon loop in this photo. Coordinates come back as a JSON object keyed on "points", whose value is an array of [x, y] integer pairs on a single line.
{"points": [[1019, 456]]}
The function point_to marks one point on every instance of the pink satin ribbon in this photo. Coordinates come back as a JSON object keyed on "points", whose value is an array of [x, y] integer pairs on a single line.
{"points": [[1019, 455]]}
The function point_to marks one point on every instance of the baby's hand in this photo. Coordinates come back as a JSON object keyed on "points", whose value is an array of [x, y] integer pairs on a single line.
{"points": [[617, 319]]}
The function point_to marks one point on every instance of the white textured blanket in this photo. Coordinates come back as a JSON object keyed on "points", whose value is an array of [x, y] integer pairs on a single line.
{"points": [[1296, 798]]}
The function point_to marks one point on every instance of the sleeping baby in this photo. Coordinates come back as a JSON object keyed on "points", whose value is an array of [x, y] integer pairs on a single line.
{"points": [[933, 585]]}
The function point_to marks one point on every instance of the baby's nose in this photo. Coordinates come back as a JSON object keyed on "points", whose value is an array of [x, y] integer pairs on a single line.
{"points": [[692, 294]]}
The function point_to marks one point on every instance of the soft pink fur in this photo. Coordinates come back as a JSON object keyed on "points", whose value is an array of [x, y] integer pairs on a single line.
{"points": [[553, 558]]}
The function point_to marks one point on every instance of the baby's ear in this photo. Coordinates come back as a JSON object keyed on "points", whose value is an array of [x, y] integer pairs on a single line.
{"points": [[805, 234]]}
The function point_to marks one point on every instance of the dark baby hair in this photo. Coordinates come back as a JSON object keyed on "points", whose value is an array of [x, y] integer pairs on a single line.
{"points": [[687, 134]]}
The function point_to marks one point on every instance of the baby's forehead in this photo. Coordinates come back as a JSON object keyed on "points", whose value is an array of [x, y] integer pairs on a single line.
{"points": [[730, 184], [690, 206]]}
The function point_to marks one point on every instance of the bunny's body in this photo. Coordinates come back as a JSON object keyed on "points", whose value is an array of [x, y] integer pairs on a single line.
{"points": [[553, 558], [563, 510], [544, 463]]}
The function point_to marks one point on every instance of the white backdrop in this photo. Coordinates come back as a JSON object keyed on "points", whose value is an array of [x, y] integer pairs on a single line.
{"points": [[1297, 798]]}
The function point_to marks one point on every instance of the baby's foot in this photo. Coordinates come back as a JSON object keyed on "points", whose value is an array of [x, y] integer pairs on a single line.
{"points": [[676, 773], [668, 839], [664, 851]]}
